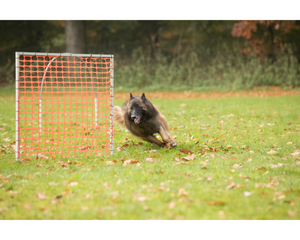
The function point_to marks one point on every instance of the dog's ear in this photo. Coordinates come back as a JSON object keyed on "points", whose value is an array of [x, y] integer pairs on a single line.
{"points": [[143, 96], [131, 97]]}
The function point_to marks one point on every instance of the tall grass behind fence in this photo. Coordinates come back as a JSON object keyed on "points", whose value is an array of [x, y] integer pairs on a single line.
{"points": [[191, 72], [227, 70]]}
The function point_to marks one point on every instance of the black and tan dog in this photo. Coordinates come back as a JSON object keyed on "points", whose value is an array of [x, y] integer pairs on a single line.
{"points": [[143, 120]]}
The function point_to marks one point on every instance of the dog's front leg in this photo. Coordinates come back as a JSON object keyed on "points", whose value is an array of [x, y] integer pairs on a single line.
{"points": [[166, 136], [154, 140]]}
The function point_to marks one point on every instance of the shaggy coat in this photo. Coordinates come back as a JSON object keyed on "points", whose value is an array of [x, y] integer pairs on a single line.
{"points": [[143, 120]]}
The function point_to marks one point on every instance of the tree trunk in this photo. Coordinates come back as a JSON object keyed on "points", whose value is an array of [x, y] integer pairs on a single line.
{"points": [[75, 37], [296, 41]]}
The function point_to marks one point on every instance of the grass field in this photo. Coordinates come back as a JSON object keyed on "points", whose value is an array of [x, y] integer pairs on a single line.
{"points": [[246, 165]]}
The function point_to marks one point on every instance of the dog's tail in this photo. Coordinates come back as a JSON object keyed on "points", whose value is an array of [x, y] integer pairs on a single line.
{"points": [[119, 116]]}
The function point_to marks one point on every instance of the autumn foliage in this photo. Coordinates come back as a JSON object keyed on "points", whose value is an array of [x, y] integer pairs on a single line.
{"points": [[267, 37]]}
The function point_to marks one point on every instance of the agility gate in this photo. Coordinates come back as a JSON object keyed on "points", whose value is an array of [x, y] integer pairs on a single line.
{"points": [[64, 104]]}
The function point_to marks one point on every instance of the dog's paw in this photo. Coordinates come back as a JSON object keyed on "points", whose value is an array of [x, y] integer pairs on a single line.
{"points": [[174, 144]]}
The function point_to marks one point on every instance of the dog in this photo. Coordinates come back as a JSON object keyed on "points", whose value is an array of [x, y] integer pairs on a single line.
{"points": [[143, 120]]}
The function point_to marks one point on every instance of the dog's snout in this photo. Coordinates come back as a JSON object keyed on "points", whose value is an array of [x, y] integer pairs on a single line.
{"points": [[133, 116]]}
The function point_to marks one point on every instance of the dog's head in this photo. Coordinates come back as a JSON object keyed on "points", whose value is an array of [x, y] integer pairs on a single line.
{"points": [[137, 107]]}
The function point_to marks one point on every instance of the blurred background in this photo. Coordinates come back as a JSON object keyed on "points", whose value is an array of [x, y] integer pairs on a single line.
{"points": [[168, 55]]}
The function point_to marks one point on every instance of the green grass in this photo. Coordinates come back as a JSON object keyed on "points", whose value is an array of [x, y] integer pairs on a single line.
{"points": [[251, 127]]}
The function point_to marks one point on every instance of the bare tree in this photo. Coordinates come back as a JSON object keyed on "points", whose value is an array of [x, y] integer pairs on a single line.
{"points": [[75, 36]]}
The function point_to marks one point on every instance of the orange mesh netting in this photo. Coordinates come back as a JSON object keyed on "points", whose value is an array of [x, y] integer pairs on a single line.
{"points": [[64, 105]]}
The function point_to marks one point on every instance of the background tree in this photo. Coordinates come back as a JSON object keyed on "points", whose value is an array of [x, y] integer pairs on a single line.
{"points": [[75, 36]]}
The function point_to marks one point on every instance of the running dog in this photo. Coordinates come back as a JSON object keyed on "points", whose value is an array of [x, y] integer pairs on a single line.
{"points": [[143, 120]]}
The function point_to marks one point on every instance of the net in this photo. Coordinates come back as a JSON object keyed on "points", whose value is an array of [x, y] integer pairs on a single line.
{"points": [[64, 105]]}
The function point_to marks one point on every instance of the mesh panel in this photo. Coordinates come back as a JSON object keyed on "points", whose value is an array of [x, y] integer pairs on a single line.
{"points": [[65, 105]]}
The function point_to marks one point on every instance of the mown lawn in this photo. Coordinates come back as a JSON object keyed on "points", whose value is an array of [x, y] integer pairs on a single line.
{"points": [[246, 165]]}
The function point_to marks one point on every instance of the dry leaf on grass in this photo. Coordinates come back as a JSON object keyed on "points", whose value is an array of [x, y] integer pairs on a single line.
{"points": [[171, 204], [178, 163], [189, 158], [291, 214], [150, 160], [230, 185], [41, 195], [27, 206], [141, 199], [272, 152], [53, 183], [295, 153], [246, 194], [119, 181], [261, 168], [238, 165], [182, 192], [130, 161], [215, 203]]}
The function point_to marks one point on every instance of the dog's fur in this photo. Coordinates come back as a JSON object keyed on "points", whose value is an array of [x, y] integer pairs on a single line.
{"points": [[143, 120]]}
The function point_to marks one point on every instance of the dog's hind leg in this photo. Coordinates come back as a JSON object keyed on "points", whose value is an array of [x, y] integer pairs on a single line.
{"points": [[154, 140]]}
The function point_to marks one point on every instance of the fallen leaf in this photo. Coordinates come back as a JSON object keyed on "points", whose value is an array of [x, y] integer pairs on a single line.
{"points": [[261, 168], [295, 153], [272, 152], [209, 179], [171, 204], [189, 158], [41, 156], [237, 165], [185, 151], [182, 192], [142, 199], [291, 214], [73, 184], [41, 195], [88, 196], [119, 181], [27, 206], [150, 160], [289, 143], [146, 208], [246, 194], [215, 203], [130, 161], [178, 163], [230, 185], [106, 185], [84, 208]]}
